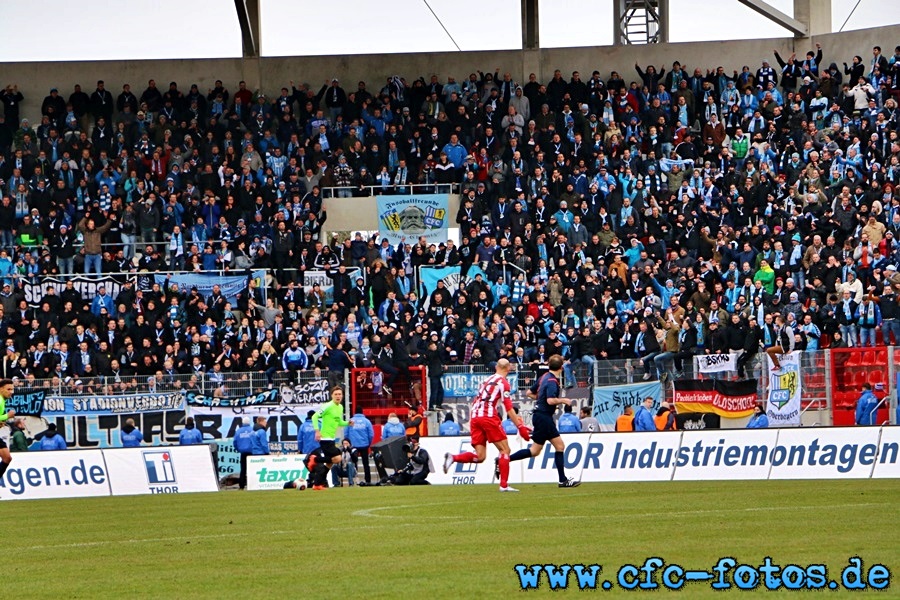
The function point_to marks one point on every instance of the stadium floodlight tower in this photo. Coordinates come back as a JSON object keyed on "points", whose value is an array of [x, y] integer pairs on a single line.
{"points": [[640, 22]]}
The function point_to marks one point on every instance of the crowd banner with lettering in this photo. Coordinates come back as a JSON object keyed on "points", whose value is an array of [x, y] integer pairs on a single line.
{"points": [[27, 404], [451, 276], [465, 385], [106, 405], [87, 286], [691, 421], [717, 363], [729, 399], [230, 285], [309, 393], [412, 217], [326, 283], [264, 397], [610, 401], [785, 391]]}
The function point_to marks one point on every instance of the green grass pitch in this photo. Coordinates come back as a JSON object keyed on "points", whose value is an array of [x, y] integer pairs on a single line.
{"points": [[434, 542]]}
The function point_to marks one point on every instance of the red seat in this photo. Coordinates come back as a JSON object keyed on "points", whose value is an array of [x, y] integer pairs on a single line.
{"points": [[876, 376], [859, 378], [854, 360], [881, 358], [867, 358]]}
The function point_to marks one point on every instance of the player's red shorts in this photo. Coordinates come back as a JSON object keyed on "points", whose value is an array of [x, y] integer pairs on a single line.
{"points": [[486, 429]]}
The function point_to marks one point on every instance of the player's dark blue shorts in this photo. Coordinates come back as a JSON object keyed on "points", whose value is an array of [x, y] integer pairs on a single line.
{"points": [[544, 428]]}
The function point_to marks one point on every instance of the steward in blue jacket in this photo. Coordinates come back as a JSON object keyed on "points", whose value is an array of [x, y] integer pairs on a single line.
{"points": [[568, 423], [190, 435], [306, 435], [865, 407], [260, 438], [130, 435], [52, 440], [643, 419]]}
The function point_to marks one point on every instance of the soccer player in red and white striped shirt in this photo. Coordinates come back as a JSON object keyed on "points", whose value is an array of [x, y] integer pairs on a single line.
{"points": [[486, 426]]}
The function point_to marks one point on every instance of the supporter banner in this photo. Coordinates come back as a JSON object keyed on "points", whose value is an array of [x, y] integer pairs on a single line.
{"points": [[326, 283], [265, 397], [282, 423], [805, 453], [730, 399], [230, 285], [610, 401], [465, 385], [176, 470], [451, 276], [785, 391], [27, 404], [311, 394], [717, 363], [72, 474], [105, 405], [414, 216], [272, 472], [86, 286], [229, 459], [689, 421], [462, 409]]}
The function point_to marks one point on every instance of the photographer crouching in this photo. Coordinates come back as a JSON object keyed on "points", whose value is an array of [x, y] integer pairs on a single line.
{"points": [[419, 466]]}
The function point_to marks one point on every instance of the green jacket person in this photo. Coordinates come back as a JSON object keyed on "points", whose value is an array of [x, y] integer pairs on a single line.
{"points": [[326, 422]]}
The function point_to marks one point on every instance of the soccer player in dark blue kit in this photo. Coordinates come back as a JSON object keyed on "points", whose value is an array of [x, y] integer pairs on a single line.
{"points": [[546, 391]]}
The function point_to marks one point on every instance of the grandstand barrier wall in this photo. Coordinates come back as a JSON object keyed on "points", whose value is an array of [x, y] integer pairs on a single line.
{"points": [[110, 472]]}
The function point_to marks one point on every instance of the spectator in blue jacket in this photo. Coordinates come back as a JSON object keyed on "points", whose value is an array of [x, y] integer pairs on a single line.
{"points": [[190, 435], [866, 407], [759, 420], [568, 422], [643, 418], [449, 426], [52, 440], [361, 433], [393, 427], [101, 301], [306, 435], [130, 435], [260, 438], [243, 444], [509, 426]]}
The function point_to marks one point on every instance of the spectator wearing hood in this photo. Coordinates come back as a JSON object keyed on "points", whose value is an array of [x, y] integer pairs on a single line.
{"points": [[393, 427], [190, 435], [866, 406], [449, 426], [52, 440], [131, 436]]}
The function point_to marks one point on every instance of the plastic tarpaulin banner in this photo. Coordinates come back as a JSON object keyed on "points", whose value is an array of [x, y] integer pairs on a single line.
{"points": [[730, 399], [87, 286], [413, 216], [265, 397], [465, 385], [785, 392], [610, 401], [717, 363], [106, 405], [451, 276], [27, 404]]}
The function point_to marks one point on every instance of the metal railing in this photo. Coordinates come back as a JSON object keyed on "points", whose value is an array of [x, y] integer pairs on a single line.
{"points": [[357, 191], [824, 392]]}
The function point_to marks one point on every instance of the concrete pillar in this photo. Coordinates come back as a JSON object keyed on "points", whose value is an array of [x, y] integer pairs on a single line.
{"points": [[815, 14], [530, 25], [531, 63], [249, 20]]}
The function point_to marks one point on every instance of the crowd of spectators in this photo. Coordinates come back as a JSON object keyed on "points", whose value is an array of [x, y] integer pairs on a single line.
{"points": [[676, 211]]}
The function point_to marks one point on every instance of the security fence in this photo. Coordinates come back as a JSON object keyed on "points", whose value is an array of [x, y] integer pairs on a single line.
{"points": [[831, 381]]}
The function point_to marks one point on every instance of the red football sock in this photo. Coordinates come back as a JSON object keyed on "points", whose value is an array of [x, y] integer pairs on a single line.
{"points": [[465, 457], [504, 470]]}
